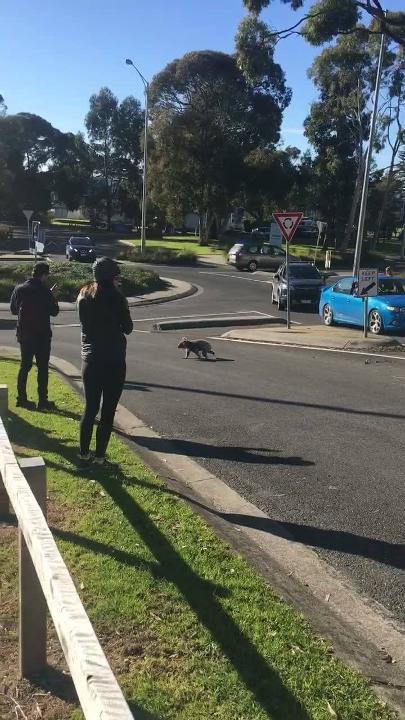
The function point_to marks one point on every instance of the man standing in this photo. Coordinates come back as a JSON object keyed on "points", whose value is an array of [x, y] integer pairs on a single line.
{"points": [[34, 303]]}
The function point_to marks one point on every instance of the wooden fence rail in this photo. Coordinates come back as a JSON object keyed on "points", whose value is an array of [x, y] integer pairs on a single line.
{"points": [[99, 693]]}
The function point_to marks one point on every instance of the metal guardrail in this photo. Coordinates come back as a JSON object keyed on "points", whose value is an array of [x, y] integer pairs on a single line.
{"points": [[45, 582]]}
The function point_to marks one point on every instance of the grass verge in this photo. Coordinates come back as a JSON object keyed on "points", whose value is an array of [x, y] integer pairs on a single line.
{"points": [[182, 244], [70, 277], [190, 630]]}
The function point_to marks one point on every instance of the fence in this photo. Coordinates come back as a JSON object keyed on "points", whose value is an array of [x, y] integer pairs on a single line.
{"points": [[44, 582]]}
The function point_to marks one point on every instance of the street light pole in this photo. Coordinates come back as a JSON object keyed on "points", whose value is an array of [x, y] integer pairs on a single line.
{"points": [[145, 156], [363, 203]]}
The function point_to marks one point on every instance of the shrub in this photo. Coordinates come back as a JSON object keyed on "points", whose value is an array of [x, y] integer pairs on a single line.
{"points": [[164, 256], [70, 277]]}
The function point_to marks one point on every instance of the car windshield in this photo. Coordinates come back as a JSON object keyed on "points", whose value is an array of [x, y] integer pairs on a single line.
{"points": [[308, 272], [236, 247], [81, 242], [391, 286]]}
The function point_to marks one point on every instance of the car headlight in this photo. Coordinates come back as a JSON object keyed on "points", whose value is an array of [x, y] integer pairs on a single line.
{"points": [[393, 308]]}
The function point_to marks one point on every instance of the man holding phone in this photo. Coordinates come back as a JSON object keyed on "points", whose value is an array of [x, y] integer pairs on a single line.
{"points": [[34, 304]]}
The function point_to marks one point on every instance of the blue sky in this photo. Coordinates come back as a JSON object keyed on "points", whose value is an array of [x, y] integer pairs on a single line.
{"points": [[53, 56]]}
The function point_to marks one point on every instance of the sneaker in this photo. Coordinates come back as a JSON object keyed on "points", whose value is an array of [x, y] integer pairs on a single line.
{"points": [[27, 404], [84, 462], [99, 460], [46, 405]]}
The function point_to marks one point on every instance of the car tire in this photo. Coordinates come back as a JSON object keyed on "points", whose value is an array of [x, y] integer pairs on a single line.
{"points": [[252, 266], [280, 303], [375, 322], [327, 315]]}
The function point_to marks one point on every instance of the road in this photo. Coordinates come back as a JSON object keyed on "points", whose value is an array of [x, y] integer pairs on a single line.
{"points": [[315, 439]]}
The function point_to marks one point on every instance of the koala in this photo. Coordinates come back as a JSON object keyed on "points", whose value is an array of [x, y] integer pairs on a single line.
{"points": [[200, 348]]}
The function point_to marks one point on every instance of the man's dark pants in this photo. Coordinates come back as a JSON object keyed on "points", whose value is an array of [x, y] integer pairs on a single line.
{"points": [[40, 349]]}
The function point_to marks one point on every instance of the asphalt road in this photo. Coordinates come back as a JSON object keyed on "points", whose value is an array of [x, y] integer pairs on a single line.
{"points": [[315, 439]]}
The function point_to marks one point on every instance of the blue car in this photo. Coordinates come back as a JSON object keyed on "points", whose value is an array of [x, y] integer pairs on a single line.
{"points": [[386, 311]]}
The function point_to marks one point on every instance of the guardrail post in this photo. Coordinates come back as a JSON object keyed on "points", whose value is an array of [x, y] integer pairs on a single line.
{"points": [[33, 608], [4, 501]]}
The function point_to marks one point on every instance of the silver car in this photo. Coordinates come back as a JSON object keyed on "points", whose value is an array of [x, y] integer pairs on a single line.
{"points": [[255, 255]]}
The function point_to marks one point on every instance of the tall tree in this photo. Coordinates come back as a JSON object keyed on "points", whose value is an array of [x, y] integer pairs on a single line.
{"points": [[326, 19], [206, 118], [114, 130]]}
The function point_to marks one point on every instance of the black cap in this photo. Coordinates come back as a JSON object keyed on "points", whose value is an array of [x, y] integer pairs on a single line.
{"points": [[105, 269], [40, 269]]}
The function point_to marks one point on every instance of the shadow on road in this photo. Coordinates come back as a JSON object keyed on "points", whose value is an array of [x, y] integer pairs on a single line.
{"points": [[232, 453], [268, 400]]}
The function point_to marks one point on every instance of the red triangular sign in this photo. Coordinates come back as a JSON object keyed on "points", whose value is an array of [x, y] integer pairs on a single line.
{"points": [[288, 223]]}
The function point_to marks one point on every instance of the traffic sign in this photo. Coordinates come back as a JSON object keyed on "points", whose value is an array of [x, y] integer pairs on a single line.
{"points": [[28, 214], [288, 223], [368, 282]]}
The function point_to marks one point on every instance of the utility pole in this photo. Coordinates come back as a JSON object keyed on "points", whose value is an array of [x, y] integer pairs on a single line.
{"points": [[366, 179], [145, 156]]}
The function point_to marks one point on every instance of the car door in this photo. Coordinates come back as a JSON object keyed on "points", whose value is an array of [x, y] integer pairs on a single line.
{"points": [[340, 299], [264, 259]]}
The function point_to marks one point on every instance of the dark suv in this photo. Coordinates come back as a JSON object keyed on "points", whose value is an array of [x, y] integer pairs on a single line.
{"points": [[81, 248], [305, 285]]}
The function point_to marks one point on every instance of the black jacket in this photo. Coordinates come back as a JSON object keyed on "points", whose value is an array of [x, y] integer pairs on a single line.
{"points": [[105, 321], [33, 303]]}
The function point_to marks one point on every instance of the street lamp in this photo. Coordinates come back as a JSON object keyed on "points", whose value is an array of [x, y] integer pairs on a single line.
{"points": [[145, 153]]}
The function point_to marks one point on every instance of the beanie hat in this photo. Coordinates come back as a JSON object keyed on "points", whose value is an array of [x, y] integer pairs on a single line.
{"points": [[105, 269]]}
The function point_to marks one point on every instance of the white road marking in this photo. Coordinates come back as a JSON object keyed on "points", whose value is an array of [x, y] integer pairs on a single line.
{"points": [[307, 347], [238, 277], [200, 315]]}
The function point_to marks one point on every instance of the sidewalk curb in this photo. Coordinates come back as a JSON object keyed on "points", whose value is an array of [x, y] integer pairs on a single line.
{"points": [[203, 322], [349, 346], [136, 301], [361, 630]]}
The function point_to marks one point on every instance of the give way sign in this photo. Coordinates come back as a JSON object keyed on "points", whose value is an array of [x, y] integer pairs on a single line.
{"points": [[288, 223]]}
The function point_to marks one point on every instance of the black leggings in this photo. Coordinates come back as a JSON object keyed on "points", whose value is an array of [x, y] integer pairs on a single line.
{"points": [[106, 382]]}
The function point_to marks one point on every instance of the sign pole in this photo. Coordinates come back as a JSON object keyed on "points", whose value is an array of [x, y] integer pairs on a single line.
{"points": [[366, 316], [287, 267]]}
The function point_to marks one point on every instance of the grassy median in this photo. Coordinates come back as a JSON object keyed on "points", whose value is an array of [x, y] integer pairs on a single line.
{"points": [[191, 631]]}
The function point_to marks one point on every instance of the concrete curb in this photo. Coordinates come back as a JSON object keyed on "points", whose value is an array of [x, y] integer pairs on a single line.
{"points": [[361, 630], [137, 301], [366, 345], [203, 322]]}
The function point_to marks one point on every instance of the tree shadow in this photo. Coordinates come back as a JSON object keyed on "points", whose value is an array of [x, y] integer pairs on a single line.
{"points": [[255, 672], [190, 448], [270, 401]]}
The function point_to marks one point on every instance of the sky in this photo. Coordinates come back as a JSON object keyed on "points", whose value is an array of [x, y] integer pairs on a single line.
{"points": [[53, 55]]}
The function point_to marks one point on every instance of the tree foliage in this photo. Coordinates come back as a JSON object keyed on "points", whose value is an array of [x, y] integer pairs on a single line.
{"points": [[326, 19], [206, 119]]}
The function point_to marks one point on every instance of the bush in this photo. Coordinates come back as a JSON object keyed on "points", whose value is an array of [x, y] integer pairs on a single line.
{"points": [[70, 277], [164, 256]]}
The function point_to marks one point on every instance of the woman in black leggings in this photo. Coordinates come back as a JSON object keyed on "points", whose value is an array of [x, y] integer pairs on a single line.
{"points": [[105, 320]]}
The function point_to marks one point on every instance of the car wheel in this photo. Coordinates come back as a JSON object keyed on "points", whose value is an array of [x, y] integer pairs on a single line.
{"points": [[375, 322], [327, 315], [280, 303], [252, 267]]}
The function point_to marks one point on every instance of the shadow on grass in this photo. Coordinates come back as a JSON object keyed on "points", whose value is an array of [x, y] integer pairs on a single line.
{"points": [[254, 670]]}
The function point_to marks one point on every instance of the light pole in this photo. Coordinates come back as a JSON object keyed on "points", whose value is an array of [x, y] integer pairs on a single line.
{"points": [[145, 154], [363, 202]]}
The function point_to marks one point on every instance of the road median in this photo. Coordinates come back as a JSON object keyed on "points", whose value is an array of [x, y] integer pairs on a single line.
{"points": [[317, 336]]}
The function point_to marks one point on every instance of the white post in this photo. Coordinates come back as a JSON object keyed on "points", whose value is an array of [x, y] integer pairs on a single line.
{"points": [[4, 501], [145, 170], [363, 204], [33, 608]]}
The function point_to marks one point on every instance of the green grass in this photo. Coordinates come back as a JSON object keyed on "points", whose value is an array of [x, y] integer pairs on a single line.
{"points": [[70, 277], [184, 244], [190, 629]]}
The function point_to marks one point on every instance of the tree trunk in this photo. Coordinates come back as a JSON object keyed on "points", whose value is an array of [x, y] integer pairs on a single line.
{"points": [[107, 187], [385, 198], [355, 202]]}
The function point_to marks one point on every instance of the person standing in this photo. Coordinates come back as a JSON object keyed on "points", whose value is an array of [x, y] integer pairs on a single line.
{"points": [[105, 320], [34, 304]]}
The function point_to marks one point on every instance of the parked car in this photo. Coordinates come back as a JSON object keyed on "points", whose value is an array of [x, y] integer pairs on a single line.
{"points": [[339, 303], [307, 228], [80, 248], [253, 255], [305, 285]]}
